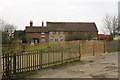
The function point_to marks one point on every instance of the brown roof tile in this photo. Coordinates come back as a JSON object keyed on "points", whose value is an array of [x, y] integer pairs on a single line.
{"points": [[63, 26], [36, 29], [71, 26]]}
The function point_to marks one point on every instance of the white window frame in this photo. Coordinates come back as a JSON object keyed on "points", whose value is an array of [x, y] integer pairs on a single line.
{"points": [[61, 32], [36, 41], [42, 34], [42, 39]]}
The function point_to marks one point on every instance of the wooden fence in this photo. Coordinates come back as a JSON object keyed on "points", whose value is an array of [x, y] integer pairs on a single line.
{"points": [[112, 46], [26, 57], [46, 55]]}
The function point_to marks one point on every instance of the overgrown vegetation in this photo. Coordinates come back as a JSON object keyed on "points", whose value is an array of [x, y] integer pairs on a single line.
{"points": [[10, 35], [21, 35], [7, 33]]}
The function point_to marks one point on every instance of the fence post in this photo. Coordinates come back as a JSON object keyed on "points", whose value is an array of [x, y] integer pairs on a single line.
{"points": [[48, 52], [14, 63], [79, 52], [7, 64], [61, 54], [81, 48], [41, 61], [93, 50], [3, 64], [104, 46]]}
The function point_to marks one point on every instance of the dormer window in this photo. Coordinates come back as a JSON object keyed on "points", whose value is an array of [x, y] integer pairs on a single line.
{"points": [[42, 34]]}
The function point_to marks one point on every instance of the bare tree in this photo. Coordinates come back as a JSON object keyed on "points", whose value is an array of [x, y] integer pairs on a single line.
{"points": [[115, 25], [7, 32], [111, 25]]}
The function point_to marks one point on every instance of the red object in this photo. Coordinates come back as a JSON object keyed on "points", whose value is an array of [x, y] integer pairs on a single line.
{"points": [[102, 37]]}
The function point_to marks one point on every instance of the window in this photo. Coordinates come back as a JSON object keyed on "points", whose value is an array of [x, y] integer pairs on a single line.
{"points": [[32, 41], [92, 35], [51, 32], [51, 40], [56, 40], [56, 32], [85, 34], [36, 40], [61, 32], [43, 41], [42, 34], [61, 39]]}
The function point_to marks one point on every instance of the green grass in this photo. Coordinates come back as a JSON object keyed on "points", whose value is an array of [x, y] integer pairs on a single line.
{"points": [[63, 64]]}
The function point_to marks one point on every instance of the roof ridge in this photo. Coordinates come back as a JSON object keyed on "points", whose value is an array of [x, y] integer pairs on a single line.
{"points": [[70, 22], [37, 26]]}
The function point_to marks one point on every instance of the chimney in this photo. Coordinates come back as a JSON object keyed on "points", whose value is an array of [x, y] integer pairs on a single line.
{"points": [[31, 23], [42, 24]]}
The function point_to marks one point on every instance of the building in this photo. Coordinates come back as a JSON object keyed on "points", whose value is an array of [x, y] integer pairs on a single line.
{"points": [[57, 31], [102, 37], [39, 34]]}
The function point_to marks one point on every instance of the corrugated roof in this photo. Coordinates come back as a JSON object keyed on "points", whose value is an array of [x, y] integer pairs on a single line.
{"points": [[71, 26]]}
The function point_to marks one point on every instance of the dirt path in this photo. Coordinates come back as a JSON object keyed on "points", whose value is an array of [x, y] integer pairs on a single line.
{"points": [[105, 66]]}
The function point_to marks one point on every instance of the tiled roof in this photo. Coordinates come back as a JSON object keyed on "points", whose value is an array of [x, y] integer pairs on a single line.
{"points": [[63, 26], [71, 26], [36, 29]]}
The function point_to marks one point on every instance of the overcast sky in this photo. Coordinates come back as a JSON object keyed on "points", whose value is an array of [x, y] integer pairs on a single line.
{"points": [[20, 12]]}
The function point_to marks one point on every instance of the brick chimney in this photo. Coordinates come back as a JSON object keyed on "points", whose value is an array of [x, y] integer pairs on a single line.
{"points": [[31, 23], [42, 24]]}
